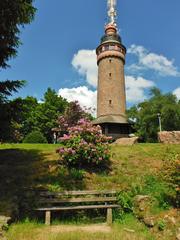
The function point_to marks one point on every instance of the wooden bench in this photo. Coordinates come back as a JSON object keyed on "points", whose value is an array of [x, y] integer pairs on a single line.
{"points": [[77, 200]]}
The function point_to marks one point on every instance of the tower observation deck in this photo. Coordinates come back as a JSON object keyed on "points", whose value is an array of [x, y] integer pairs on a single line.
{"points": [[111, 99]]}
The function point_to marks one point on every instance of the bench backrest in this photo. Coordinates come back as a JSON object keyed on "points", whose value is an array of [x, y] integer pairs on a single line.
{"points": [[68, 197]]}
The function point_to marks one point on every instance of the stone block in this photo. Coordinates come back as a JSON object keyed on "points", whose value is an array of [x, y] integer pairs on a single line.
{"points": [[169, 137], [127, 141]]}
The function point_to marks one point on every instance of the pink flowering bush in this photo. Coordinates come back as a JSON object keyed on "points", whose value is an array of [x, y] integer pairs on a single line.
{"points": [[84, 146], [72, 115]]}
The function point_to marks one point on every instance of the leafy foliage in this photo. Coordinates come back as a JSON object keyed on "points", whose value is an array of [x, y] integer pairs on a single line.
{"points": [[171, 170], [160, 195], [7, 87], [84, 146], [10, 125], [125, 200], [44, 116], [146, 119], [158, 189], [35, 137], [71, 116], [161, 225], [19, 117], [13, 15]]}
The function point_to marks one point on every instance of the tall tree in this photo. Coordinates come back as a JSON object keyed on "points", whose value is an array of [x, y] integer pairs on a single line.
{"points": [[13, 15], [7, 87], [43, 116], [145, 115]]}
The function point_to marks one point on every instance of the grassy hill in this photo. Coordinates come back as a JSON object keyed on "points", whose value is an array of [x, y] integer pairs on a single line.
{"points": [[134, 170]]}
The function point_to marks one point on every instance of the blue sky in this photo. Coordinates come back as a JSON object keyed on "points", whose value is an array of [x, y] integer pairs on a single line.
{"points": [[58, 48]]}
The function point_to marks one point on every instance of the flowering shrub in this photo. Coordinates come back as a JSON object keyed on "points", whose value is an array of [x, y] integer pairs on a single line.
{"points": [[85, 145], [72, 115]]}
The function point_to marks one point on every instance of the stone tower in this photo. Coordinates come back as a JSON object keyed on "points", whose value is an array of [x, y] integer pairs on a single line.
{"points": [[111, 99]]}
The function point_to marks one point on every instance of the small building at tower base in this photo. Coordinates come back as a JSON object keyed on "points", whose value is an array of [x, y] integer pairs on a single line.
{"points": [[114, 126]]}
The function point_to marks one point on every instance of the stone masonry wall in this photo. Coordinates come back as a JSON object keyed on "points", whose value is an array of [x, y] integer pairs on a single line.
{"points": [[169, 137], [111, 87]]}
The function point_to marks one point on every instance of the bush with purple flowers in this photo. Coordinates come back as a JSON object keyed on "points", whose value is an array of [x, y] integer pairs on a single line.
{"points": [[84, 146], [73, 113]]}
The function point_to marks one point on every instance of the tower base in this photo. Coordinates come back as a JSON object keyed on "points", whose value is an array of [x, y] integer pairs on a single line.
{"points": [[116, 130], [114, 126]]}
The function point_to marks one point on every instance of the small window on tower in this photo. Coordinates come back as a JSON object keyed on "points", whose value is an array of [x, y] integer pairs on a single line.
{"points": [[110, 74], [106, 47], [111, 47], [110, 60], [110, 102]]}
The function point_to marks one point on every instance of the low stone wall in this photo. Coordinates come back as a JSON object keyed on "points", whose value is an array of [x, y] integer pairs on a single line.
{"points": [[169, 137]]}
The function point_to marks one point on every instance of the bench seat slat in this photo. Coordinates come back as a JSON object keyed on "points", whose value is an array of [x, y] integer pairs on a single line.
{"points": [[75, 193], [77, 207], [78, 200]]}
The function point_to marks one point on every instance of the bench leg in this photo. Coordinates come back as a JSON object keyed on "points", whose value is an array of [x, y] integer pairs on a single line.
{"points": [[48, 217], [109, 216]]}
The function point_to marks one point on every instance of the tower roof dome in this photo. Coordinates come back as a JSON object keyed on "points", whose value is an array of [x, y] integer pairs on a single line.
{"points": [[111, 34]]}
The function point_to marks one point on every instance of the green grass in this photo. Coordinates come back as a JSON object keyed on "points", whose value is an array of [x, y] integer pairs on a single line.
{"points": [[21, 231], [41, 147], [36, 165], [29, 166]]}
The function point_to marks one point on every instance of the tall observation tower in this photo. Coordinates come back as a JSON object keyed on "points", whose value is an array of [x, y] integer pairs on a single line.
{"points": [[111, 100]]}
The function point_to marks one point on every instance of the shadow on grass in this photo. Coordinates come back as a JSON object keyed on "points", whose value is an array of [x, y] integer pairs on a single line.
{"points": [[18, 167], [23, 172]]}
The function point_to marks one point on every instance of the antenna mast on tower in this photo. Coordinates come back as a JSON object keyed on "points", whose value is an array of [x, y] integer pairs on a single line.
{"points": [[112, 13]]}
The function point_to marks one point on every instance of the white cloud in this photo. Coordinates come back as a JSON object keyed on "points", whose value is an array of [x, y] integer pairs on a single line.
{"points": [[135, 88], [40, 101], [84, 61], [135, 91], [152, 61], [86, 97], [177, 93], [86, 64]]}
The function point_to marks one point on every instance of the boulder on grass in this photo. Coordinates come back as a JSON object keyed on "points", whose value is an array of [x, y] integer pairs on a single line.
{"points": [[127, 141]]}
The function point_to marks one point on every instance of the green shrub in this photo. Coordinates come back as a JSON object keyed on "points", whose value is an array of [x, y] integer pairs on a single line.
{"points": [[125, 199], [35, 137], [161, 225], [159, 189], [170, 174], [153, 186], [77, 174]]}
